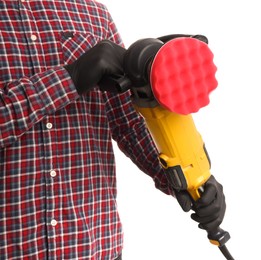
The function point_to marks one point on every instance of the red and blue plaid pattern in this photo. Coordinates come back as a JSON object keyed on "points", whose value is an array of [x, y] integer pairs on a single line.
{"points": [[57, 168]]}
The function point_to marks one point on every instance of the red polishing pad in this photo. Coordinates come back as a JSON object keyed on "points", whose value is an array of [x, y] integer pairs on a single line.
{"points": [[183, 74]]}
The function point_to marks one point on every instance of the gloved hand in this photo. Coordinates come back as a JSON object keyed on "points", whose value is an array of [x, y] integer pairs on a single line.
{"points": [[105, 58], [209, 208]]}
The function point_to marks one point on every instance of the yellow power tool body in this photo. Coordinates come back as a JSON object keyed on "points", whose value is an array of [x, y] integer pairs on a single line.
{"points": [[182, 151]]}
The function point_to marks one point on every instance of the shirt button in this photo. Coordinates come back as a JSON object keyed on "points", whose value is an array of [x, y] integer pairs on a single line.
{"points": [[33, 37], [54, 222], [53, 173], [49, 125]]}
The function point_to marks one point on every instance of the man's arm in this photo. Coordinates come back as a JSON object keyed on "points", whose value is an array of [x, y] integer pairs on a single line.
{"points": [[26, 101]]}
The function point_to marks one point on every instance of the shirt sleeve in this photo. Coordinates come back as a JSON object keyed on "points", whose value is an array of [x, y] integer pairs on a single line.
{"points": [[26, 101], [129, 130], [112, 33]]}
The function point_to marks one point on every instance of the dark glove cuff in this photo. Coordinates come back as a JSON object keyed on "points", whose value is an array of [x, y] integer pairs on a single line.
{"points": [[70, 68]]}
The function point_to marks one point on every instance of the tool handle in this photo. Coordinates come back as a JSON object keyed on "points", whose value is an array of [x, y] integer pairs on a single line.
{"points": [[115, 83], [218, 237]]}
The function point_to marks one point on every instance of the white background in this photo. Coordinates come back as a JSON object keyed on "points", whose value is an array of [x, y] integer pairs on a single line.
{"points": [[155, 226]]}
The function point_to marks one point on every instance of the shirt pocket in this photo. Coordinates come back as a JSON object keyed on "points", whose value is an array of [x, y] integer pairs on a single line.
{"points": [[74, 44]]}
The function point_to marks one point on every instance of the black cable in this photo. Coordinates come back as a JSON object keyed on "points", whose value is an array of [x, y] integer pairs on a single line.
{"points": [[225, 252]]}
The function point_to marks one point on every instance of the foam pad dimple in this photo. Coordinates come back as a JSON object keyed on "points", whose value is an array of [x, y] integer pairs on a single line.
{"points": [[183, 75]]}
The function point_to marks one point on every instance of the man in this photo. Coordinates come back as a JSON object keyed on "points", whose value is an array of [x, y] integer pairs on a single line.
{"points": [[57, 181]]}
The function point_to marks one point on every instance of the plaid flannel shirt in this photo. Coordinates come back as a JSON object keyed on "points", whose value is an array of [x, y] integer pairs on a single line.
{"points": [[57, 168]]}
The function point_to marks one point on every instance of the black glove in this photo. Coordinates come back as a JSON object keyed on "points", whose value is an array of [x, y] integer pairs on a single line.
{"points": [[209, 208], [105, 58]]}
